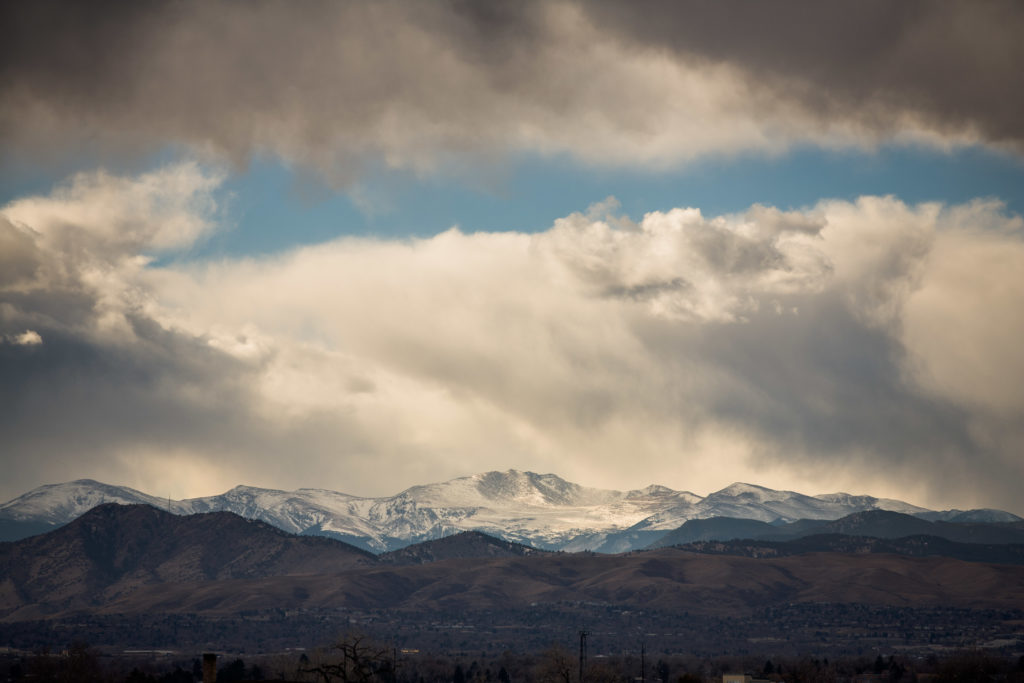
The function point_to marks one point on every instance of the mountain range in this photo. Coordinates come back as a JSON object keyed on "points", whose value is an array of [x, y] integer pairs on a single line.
{"points": [[913, 546], [869, 523], [136, 559], [540, 510], [114, 550]]}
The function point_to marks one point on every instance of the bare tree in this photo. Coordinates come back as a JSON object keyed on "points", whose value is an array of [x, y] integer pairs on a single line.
{"points": [[556, 665], [361, 661]]}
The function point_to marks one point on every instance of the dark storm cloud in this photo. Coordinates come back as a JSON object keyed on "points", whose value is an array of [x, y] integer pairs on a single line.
{"points": [[121, 407], [76, 398], [317, 82], [87, 397], [957, 65], [124, 411], [824, 393], [91, 380], [346, 86], [824, 384]]}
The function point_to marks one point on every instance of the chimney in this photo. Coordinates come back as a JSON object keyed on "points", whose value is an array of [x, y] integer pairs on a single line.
{"points": [[209, 667]]}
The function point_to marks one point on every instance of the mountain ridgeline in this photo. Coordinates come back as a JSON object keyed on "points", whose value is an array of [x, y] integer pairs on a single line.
{"points": [[113, 550], [871, 523], [136, 559], [542, 511]]}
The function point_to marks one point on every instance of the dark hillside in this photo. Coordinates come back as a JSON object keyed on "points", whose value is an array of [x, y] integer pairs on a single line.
{"points": [[715, 529], [870, 523], [114, 550], [466, 545], [914, 546], [138, 560]]}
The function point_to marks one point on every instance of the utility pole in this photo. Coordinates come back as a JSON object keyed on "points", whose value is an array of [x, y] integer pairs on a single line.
{"points": [[583, 652], [643, 667]]}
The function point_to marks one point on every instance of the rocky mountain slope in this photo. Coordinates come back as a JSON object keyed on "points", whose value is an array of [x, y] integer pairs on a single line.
{"points": [[540, 510], [114, 550], [138, 560], [662, 579], [914, 546], [870, 523], [461, 546]]}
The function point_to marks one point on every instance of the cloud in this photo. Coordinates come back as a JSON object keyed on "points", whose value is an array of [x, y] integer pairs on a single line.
{"points": [[107, 216], [861, 345], [27, 338], [962, 323], [350, 88], [943, 69], [89, 376]]}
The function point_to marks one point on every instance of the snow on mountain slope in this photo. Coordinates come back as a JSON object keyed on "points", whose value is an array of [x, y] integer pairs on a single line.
{"points": [[60, 503], [542, 510], [747, 501], [846, 501], [509, 489], [979, 516], [294, 511], [538, 509]]}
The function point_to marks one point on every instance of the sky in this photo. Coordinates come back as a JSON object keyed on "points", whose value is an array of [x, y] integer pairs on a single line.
{"points": [[362, 246]]}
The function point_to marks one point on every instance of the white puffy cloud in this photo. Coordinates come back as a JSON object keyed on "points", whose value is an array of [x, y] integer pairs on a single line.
{"points": [[98, 214], [26, 338], [963, 324], [92, 236], [861, 345]]}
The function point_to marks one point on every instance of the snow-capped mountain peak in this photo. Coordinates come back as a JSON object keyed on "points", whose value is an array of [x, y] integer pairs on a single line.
{"points": [[60, 503], [657, 491], [861, 502], [509, 488], [528, 488], [542, 510], [750, 492]]}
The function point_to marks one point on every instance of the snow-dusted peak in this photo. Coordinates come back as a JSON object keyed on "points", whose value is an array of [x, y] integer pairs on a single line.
{"points": [[539, 489], [671, 504], [328, 493], [248, 495], [750, 492], [977, 516], [511, 488], [652, 491], [844, 498], [80, 482], [749, 501], [847, 501], [513, 485], [245, 490], [59, 503], [543, 510]]}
